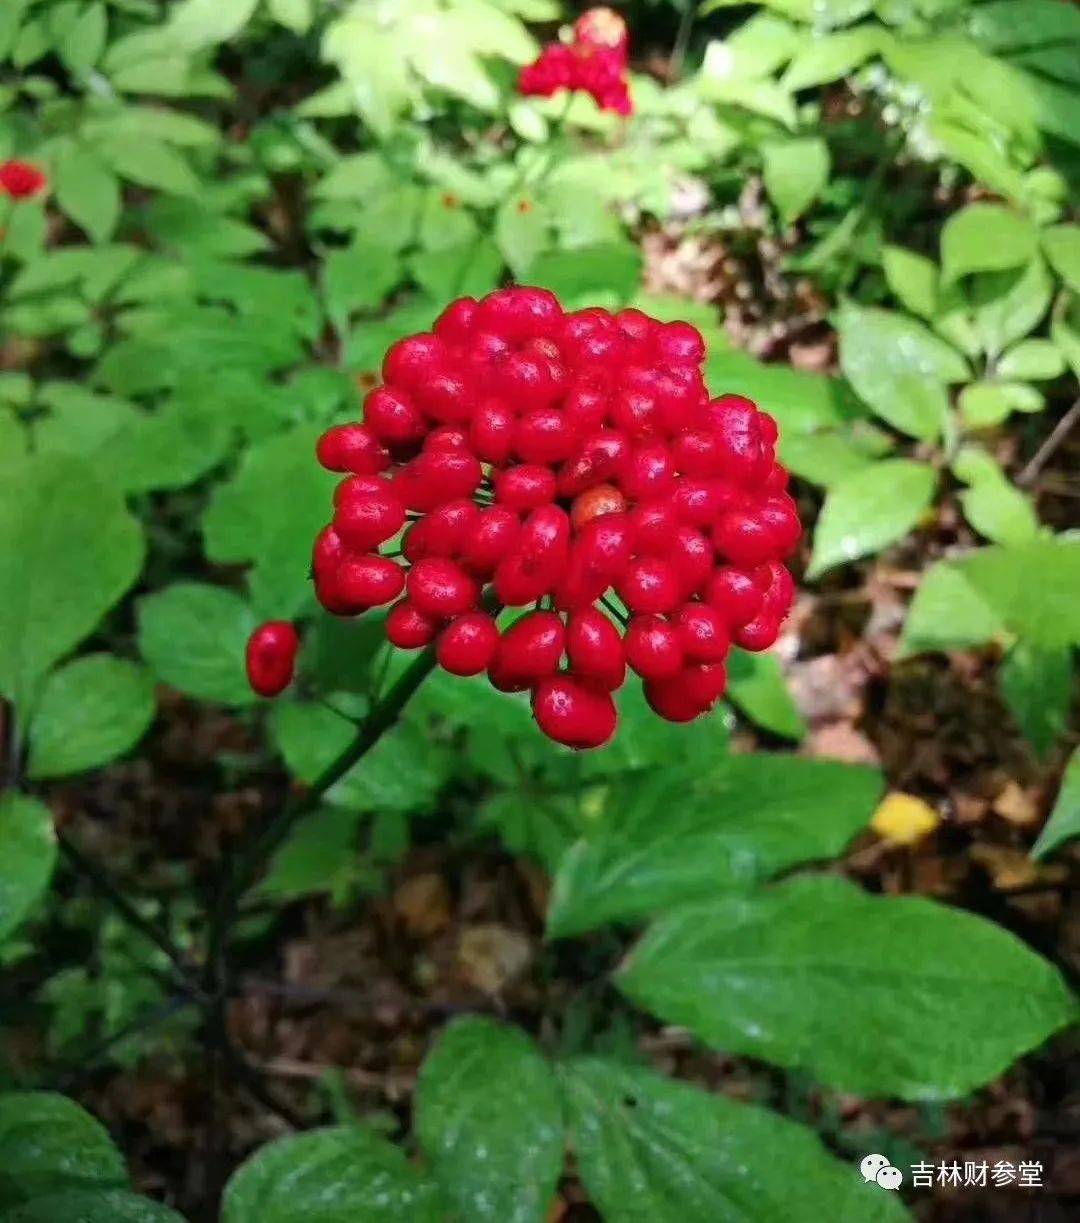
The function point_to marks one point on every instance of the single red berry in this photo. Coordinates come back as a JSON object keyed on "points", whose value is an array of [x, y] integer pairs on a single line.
{"points": [[443, 532], [358, 487], [525, 487], [586, 403], [735, 595], [456, 323], [758, 635], [653, 524], [595, 502], [702, 632], [413, 362], [780, 516], [704, 682], [441, 588], [491, 431], [468, 644], [529, 649], [438, 476], [691, 556], [649, 472], [364, 522], [779, 592], [595, 648], [605, 545], [670, 699], [22, 181], [447, 437], [635, 413], [352, 448], [328, 553], [649, 584], [739, 443], [545, 537], [448, 396], [544, 435], [599, 459], [697, 453], [520, 313], [393, 418], [744, 539], [490, 538], [680, 343], [408, 628], [653, 647], [363, 582], [271, 657], [573, 712], [638, 331]]}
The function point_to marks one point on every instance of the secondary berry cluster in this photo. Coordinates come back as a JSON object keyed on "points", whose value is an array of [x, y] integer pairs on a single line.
{"points": [[595, 63], [20, 180], [530, 457]]}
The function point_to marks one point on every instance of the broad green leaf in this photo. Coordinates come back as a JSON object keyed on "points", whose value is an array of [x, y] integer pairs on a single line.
{"points": [[489, 1117], [251, 519], [49, 1144], [68, 550], [795, 173], [319, 855], [470, 270], [671, 837], [1015, 581], [150, 162], [194, 637], [346, 1175], [1037, 360], [867, 511], [1037, 684], [1009, 305], [87, 190], [827, 457], [1061, 244], [358, 278], [29, 855], [295, 15], [900, 368], [832, 56], [597, 275], [197, 24], [653, 1150], [913, 278], [801, 401], [999, 511], [948, 613], [757, 686], [986, 238], [986, 404], [91, 711], [92, 1206], [1064, 822], [522, 231], [874, 995]]}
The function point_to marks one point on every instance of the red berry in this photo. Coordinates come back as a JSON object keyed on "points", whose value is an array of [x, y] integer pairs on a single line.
{"points": [[353, 487], [574, 713], [363, 582], [468, 643], [408, 628], [680, 343], [447, 437], [393, 418], [595, 648], [670, 699], [649, 472], [594, 502], [691, 556], [443, 532], [520, 313], [352, 448], [438, 476], [544, 435], [653, 648], [739, 442], [456, 323], [366, 521], [448, 397], [702, 632], [735, 595], [653, 525], [531, 648], [605, 545], [744, 539], [440, 588], [525, 487], [412, 363], [599, 458], [489, 539], [650, 584], [758, 635], [271, 657], [491, 431], [328, 552]]}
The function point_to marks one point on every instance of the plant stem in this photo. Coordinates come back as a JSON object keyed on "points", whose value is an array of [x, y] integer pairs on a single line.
{"points": [[682, 40], [1045, 452]]}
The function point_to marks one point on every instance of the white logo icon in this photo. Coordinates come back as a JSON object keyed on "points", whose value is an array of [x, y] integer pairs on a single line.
{"points": [[877, 1168]]}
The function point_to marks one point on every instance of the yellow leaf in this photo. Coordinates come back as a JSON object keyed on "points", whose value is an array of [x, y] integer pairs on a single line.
{"points": [[903, 819]]}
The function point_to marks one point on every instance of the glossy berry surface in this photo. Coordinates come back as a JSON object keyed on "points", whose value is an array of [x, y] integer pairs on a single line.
{"points": [[271, 657], [573, 466]]}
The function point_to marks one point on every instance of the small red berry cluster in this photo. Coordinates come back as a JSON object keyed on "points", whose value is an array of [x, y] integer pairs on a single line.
{"points": [[271, 657], [20, 180], [595, 62], [540, 458]]}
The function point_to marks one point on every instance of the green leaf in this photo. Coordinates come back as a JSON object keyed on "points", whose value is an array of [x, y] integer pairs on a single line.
{"points": [[82, 45], [795, 172], [196, 24], [26, 833], [87, 190], [1037, 684], [652, 1150], [329, 1176], [914, 280], [757, 686], [986, 404], [671, 837], [874, 995], [948, 613], [1064, 822], [92, 1206], [1061, 243], [867, 511], [194, 636], [150, 162], [249, 519], [522, 231], [986, 238], [68, 550], [470, 270], [606, 275], [1009, 305], [358, 278], [49, 1144], [91, 711], [999, 511], [832, 56], [489, 1116], [319, 855], [1035, 360], [899, 368], [1013, 581], [295, 15]]}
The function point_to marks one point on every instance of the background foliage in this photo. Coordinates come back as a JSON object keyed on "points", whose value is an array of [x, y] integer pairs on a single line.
{"points": [[249, 201]]}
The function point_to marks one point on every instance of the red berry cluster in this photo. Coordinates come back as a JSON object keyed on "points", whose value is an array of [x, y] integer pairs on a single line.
{"points": [[595, 62], [20, 180], [540, 458]]}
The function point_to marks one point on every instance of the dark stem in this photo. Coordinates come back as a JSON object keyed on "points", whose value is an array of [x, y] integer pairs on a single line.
{"points": [[682, 40], [1045, 452], [131, 915]]}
